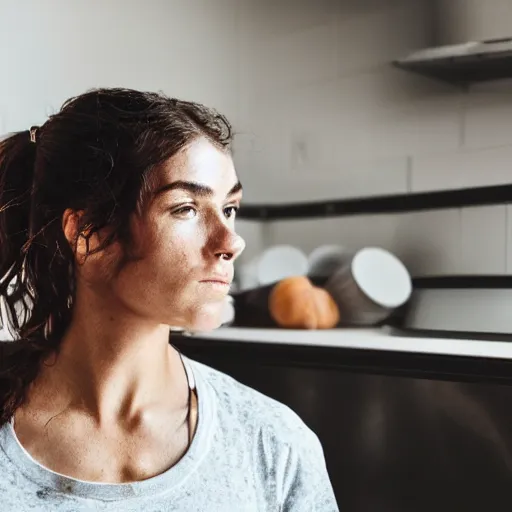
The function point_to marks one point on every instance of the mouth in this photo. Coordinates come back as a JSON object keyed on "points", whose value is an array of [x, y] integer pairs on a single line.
{"points": [[220, 279], [219, 282]]}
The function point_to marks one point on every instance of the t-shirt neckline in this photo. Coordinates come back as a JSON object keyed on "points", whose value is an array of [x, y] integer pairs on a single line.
{"points": [[165, 481]]}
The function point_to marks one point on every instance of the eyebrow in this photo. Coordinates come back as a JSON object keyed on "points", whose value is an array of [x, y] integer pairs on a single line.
{"points": [[195, 188]]}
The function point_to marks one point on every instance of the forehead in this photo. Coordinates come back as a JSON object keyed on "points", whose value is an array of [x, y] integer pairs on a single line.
{"points": [[201, 162]]}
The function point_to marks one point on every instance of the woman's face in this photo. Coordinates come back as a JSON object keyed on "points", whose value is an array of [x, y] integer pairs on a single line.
{"points": [[186, 241]]}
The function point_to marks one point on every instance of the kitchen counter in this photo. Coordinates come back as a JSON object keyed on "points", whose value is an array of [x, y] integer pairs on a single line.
{"points": [[423, 422], [381, 339]]}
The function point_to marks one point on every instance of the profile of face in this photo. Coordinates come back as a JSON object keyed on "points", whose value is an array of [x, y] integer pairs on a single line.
{"points": [[185, 241]]}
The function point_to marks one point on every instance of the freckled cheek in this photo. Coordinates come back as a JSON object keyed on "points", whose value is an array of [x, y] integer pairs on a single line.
{"points": [[193, 234], [181, 251]]}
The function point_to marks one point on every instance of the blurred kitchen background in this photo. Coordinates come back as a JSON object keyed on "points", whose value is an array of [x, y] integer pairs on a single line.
{"points": [[320, 112], [380, 127]]}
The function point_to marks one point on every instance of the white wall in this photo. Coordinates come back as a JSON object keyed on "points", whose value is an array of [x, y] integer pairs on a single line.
{"points": [[326, 116], [460, 21], [318, 110], [51, 50]]}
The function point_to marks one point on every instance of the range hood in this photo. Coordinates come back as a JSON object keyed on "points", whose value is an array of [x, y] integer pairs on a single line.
{"points": [[462, 64]]}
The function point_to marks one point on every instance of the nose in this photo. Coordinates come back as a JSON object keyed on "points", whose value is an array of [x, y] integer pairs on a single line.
{"points": [[228, 244]]}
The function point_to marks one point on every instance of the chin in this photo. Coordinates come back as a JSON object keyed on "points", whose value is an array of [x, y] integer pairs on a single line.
{"points": [[206, 319], [198, 327]]}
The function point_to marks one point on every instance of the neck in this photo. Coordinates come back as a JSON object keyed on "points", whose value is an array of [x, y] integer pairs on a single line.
{"points": [[115, 365]]}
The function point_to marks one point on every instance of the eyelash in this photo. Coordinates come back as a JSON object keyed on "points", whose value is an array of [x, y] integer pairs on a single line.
{"points": [[185, 209], [234, 208]]}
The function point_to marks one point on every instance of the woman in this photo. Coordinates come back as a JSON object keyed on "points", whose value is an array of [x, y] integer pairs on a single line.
{"points": [[116, 222]]}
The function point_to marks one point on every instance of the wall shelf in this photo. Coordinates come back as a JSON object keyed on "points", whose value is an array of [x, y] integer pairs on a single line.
{"points": [[472, 282], [462, 64], [462, 72], [400, 203]]}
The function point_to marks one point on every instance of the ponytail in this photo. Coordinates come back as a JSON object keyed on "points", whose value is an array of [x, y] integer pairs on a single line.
{"points": [[17, 162], [34, 280]]}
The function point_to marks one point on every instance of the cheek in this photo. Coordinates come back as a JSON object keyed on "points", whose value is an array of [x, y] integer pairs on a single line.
{"points": [[175, 254], [161, 282], [165, 247], [165, 268], [99, 270]]}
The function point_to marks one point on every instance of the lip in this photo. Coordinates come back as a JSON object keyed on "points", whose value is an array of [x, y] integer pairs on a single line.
{"points": [[217, 279]]}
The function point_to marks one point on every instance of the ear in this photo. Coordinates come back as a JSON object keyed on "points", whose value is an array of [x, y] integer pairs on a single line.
{"points": [[76, 239]]}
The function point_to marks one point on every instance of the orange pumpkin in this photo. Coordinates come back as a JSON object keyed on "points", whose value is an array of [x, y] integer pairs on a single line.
{"points": [[296, 303]]}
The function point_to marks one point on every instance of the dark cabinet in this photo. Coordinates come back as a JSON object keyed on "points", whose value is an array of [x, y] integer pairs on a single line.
{"points": [[401, 432]]}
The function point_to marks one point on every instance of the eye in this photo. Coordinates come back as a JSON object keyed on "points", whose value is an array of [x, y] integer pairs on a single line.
{"points": [[186, 212], [230, 211]]}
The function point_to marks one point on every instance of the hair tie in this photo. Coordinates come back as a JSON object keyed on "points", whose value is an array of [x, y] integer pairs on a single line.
{"points": [[33, 134]]}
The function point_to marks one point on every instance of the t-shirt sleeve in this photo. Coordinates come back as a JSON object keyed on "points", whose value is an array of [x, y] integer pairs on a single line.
{"points": [[303, 478]]}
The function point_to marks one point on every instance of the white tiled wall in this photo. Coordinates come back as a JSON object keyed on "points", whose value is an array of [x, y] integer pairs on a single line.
{"points": [[51, 50], [318, 110], [473, 20], [466, 168], [487, 114], [484, 240], [328, 117]]}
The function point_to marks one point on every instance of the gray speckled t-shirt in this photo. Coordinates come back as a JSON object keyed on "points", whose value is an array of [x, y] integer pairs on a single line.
{"points": [[249, 454]]}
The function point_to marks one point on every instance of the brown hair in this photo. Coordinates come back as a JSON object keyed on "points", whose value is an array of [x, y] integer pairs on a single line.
{"points": [[96, 156]]}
